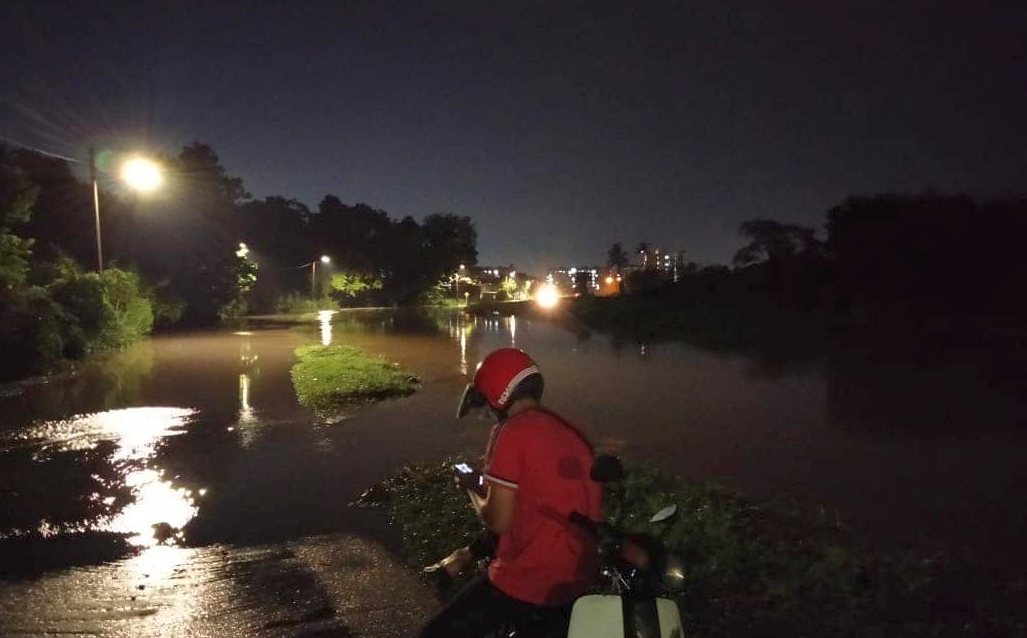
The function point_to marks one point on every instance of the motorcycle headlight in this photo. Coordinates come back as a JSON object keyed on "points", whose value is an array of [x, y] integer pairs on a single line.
{"points": [[673, 573]]}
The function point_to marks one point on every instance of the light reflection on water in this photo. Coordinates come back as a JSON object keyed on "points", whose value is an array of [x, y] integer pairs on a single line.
{"points": [[157, 509], [325, 317], [158, 513], [135, 430], [248, 423]]}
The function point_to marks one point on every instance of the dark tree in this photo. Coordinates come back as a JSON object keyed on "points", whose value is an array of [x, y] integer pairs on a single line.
{"points": [[62, 221], [201, 236], [937, 253], [17, 197], [406, 277], [774, 242], [449, 240], [275, 232], [353, 236], [617, 259]]}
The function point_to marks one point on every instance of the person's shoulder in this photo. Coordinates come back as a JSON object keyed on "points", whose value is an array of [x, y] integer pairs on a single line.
{"points": [[535, 421], [533, 418]]}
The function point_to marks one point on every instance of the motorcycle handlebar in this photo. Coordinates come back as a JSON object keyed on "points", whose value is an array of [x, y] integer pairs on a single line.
{"points": [[590, 526]]}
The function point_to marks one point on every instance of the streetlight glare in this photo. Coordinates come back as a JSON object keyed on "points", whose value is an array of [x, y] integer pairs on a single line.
{"points": [[325, 259], [141, 174]]}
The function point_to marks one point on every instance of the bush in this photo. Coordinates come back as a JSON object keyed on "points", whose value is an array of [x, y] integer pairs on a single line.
{"points": [[168, 307], [30, 333], [129, 314], [296, 304], [102, 311], [83, 311]]}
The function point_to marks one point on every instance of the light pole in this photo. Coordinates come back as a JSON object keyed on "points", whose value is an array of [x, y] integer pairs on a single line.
{"points": [[456, 282], [313, 273], [139, 173]]}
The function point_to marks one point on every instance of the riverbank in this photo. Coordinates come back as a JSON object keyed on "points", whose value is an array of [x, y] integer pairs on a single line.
{"points": [[750, 570]]}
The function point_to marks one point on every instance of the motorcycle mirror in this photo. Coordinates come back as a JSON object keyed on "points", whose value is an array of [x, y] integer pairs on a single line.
{"points": [[665, 514], [606, 469]]}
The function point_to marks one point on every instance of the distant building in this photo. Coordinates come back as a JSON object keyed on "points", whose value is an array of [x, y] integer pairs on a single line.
{"points": [[566, 279], [670, 265], [501, 282]]}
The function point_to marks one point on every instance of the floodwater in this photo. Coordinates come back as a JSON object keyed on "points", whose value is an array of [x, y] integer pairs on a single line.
{"points": [[234, 497]]}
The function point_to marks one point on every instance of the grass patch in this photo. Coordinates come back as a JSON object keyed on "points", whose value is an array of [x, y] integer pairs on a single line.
{"points": [[331, 378], [751, 571]]}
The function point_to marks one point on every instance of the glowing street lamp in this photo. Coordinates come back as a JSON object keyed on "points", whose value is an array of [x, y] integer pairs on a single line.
{"points": [[138, 173], [325, 259], [142, 174], [456, 280]]}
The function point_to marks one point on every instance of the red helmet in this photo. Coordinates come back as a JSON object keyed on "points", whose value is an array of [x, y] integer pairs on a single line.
{"points": [[495, 380]]}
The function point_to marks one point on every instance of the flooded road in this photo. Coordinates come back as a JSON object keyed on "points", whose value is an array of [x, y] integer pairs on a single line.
{"points": [[193, 449]]}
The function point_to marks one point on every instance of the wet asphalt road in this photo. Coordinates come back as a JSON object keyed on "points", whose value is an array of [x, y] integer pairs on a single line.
{"points": [[338, 585]]}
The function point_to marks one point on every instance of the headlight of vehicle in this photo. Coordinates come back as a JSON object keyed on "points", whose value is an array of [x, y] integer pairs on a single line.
{"points": [[673, 574]]}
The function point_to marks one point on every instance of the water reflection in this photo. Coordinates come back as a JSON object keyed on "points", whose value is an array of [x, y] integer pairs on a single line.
{"points": [[158, 513], [463, 351], [95, 473], [325, 318], [459, 327], [247, 422]]}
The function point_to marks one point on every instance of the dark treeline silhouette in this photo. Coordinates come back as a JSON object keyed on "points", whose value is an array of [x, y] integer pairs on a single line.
{"points": [[182, 250], [892, 262], [189, 237], [930, 254]]}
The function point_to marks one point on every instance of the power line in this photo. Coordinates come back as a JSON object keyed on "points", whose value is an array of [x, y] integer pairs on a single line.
{"points": [[39, 150]]}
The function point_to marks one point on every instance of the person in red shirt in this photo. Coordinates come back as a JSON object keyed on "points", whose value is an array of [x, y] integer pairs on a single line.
{"points": [[537, 469]]}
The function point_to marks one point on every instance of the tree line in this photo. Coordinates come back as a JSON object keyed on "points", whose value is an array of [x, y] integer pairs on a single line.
{"points": [[202, 251], [884, 257]]}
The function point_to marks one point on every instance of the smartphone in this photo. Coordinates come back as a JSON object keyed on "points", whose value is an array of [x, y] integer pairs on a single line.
{"points": [[469, 477]]}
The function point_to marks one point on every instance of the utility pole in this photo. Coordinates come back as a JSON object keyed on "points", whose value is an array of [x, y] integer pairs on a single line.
{"points": [[96, 209]]}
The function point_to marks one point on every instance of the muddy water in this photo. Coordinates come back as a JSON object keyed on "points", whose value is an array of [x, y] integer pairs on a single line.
{"points": [[194, 448]]}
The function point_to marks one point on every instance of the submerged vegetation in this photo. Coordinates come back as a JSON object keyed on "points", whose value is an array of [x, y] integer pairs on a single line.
{"points": [[330, 378], [750, 570]]}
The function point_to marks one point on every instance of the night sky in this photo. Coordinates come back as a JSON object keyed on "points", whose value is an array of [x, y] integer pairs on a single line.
{"points": [[559, 127]]}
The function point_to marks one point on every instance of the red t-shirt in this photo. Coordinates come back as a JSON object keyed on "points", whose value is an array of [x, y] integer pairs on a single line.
{"points": [[544, 558]]}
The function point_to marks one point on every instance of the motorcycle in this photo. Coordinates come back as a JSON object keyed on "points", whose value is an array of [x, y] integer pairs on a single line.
{"points": [[637, 567]]}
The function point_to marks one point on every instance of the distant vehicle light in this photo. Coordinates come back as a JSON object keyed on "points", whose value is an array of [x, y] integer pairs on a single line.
{"points": [[547, 296]]}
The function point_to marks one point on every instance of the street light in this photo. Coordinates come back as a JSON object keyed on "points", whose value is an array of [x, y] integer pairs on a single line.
{"points": [[325, 259], [140, 174], [456, 282]]}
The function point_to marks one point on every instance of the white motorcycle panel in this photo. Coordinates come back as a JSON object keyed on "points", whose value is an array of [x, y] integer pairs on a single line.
{"points": [[603, 617]]}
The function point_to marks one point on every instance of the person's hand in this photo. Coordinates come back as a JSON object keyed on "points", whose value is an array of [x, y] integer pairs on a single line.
{"points": [[469, 481], [453, 564]]}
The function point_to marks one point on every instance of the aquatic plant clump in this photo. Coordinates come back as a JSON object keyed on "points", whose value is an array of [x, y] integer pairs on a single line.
{"points": [[750, 570], [331, 378]]}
